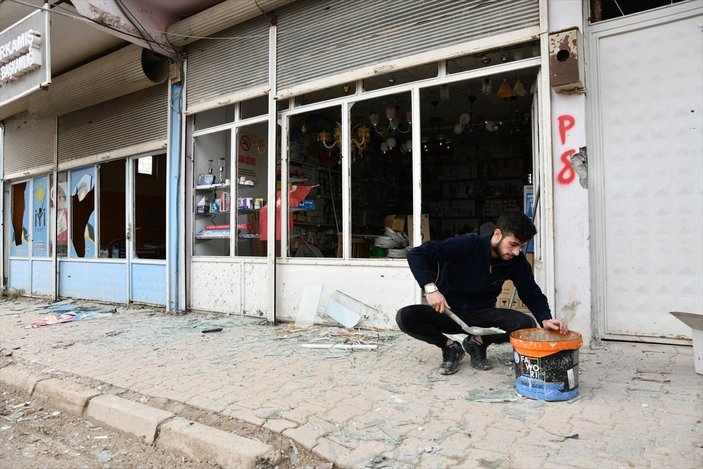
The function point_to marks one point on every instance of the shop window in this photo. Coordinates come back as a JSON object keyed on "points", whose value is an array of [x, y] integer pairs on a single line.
{"points": [[493, 57], [212, 193], [476, 151], [230, 190], [150, 209], [399, 77], [41, 241], [607, 9], [251, 189], [62, 210], [30, 218], [19, 236], [315, 184], [214, 117], [82, 212], [254, 107], [326, 94], [112, 209], [381, 174]]}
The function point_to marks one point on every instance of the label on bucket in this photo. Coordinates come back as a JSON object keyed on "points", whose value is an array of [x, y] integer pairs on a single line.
{"points": [[552, 377]]}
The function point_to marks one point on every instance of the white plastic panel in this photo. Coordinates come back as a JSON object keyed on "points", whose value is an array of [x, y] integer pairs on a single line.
{"points": [[230, 286], [384, 286], [649, 121]]}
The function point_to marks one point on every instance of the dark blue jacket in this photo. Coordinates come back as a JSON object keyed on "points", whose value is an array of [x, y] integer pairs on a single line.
{"points": [[470, 279]]}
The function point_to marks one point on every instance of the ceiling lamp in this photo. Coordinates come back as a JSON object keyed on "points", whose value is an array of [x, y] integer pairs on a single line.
{"points": [[361, 136], [465, 117], [504, 91], [392, 124], [519, 88]]}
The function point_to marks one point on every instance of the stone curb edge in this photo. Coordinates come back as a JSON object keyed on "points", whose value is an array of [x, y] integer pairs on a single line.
{"points": [[148, 424]]}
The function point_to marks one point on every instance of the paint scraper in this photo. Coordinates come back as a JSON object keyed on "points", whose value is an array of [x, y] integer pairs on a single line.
{"points": [[473, 330]]}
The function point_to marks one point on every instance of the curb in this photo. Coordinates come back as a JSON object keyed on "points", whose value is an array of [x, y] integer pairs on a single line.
{"points": [[150, 424]]}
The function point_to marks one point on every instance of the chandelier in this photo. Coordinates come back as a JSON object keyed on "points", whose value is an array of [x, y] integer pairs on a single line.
{"points": [[389, 127], [393, 124], [360, 137]]}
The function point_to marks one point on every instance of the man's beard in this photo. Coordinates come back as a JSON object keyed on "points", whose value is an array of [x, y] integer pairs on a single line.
{"points": [[498, 250]]}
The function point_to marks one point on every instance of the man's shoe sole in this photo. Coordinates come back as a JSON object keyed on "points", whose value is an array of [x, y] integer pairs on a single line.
{"points": [[477, 362]]}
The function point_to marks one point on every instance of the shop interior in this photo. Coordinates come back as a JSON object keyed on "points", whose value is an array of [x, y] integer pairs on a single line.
{"points": [[476, 143], [476, 161]]}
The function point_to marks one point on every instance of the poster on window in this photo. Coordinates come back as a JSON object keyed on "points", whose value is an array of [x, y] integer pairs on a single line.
{"points": [[19, 229], [40, 225], [82, 212]]}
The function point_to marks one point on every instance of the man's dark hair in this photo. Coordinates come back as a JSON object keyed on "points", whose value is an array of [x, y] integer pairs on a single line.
{"points": [[518, 224]]}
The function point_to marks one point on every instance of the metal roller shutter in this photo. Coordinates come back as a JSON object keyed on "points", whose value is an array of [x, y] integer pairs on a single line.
{"points": [[29, 143], [130, 120], [323, 38], [234, 60]]}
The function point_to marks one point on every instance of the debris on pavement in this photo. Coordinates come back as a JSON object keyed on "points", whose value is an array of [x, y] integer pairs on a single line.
{"points": [[66, 311], [335, 338]]}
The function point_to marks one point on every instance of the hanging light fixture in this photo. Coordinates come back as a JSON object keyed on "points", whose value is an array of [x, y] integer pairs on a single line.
{"points": [[393, 124], [504, 91], [361, 136], [519, 88], [465, 118]]}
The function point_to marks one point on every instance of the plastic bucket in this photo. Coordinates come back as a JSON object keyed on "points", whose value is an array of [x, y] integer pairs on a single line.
{"points": [[378, 251], [546, 363]]}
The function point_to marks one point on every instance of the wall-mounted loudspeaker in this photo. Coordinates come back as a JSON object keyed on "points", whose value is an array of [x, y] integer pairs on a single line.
{"points": [[566, 61], [155, 66]]}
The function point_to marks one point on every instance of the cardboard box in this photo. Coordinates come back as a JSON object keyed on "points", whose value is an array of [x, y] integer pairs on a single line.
{"points": [[395, 222], [424, 229]]}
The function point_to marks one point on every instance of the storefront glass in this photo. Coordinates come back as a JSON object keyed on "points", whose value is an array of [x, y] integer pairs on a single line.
{"points": [[315, 184], [230, 186]]}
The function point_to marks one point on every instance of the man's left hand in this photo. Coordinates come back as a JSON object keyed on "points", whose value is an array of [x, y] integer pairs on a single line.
{"points": [[555, 325]]}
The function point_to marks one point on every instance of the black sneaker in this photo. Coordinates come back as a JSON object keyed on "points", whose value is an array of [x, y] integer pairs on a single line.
{"points": [[477, 352], [451, 355]]}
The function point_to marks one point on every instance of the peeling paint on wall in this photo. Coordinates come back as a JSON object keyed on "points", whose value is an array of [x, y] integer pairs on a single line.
{"points": [[570, 308]]}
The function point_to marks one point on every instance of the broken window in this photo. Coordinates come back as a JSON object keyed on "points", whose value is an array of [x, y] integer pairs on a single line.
{"points": [[602, 10], [82, 212], [19, 239], [41, 244], [112, 209], [150, 208], [61, 213]]}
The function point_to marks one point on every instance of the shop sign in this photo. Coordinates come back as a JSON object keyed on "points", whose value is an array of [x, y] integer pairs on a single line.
{"points": [[24, 49]]}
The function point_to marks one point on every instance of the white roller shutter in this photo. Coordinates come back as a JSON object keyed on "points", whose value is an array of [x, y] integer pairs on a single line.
{"points": [[233, 60], [130, 120], [324, 38], [29, 143]]}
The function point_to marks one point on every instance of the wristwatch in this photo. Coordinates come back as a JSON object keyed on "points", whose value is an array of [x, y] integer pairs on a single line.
{"points": [[430, 288]]}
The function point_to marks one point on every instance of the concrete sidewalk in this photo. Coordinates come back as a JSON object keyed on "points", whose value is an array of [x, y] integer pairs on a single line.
{"points": [[640, 405]]}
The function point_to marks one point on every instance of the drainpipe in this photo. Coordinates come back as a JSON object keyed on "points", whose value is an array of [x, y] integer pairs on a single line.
{"points": [[175, 212], [271, 195], [2, 206]]}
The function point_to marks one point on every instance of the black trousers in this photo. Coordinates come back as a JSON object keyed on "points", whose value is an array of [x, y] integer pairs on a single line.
{"points": [[424, 323]]}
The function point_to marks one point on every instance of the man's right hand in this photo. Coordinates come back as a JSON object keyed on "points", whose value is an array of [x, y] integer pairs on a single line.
{"points": [[437, 301]]}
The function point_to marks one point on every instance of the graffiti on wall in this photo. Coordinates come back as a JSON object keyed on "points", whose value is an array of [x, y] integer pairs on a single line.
{"points": [[566, 174]]}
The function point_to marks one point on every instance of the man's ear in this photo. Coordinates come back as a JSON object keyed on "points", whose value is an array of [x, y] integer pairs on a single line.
{"points": [[497, 233]]}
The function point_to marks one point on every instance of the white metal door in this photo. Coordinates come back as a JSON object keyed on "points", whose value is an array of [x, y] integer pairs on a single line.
{"points": [[647, 108]]}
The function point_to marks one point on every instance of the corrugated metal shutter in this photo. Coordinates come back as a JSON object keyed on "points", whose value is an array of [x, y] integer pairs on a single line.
{"points": [[322, 38], [29, 142], [236, 61], [130, 120]]}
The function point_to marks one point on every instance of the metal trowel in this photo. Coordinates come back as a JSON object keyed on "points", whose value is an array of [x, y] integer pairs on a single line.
{"points": [[473, 330]]}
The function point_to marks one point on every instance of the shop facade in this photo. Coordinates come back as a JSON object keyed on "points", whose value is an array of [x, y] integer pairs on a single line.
{"points": [[428, 125], [93, 225], [431, 126]]}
